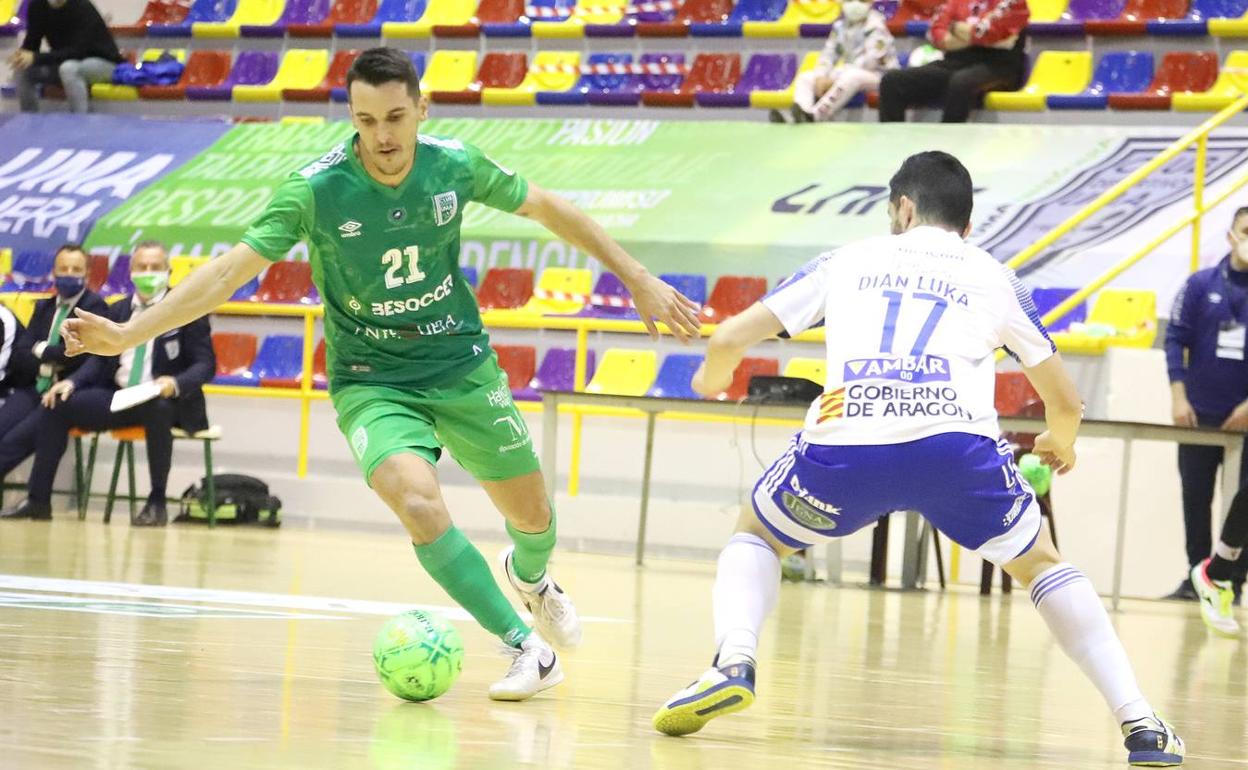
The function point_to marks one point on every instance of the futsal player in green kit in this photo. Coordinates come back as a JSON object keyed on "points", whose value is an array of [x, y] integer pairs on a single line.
{"points": [[410, 367]]}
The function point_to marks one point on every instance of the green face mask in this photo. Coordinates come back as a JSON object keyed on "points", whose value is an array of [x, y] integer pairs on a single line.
{"points": [[149, 284]]}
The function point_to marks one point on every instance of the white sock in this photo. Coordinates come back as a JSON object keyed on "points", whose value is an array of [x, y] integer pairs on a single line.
{"points": [[747, 583], [1227, 552], [1076, 616]]}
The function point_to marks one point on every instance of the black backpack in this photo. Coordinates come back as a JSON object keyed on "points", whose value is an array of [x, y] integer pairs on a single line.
{"points": [[240, 500]]}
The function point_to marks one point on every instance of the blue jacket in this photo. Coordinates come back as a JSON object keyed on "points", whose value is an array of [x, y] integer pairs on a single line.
{"points": [[1210, 302]]}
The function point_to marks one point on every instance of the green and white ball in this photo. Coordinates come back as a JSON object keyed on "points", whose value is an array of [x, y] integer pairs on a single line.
{"points": [[418, 655]]}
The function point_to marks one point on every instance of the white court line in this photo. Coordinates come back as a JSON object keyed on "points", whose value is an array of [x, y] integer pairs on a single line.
{"points": [[243, 598]]}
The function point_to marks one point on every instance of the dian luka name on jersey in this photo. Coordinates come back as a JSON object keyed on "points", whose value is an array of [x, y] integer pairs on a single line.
{"points": [[913, 322], [398, 310]]}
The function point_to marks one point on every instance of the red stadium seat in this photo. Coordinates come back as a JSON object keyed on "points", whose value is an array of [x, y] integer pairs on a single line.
{"points": [[161, 12], [488, 12], [1179, 71], [203, 69], [497, 70], [749, 367], [97, 271], [505, 288], [711, 73], [286, 282], [1015, 397], [335, 78], [342, 12], [731, 295], [911, 10], [1135, 17], [235, 352], [692, 12], [520, 363]]}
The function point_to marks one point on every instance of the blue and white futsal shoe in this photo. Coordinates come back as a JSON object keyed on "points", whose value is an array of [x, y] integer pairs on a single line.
{"points": [[1151, 742], [721, 690]]}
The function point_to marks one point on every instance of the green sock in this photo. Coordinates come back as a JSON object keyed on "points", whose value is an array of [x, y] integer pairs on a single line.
{"points": [[461, 570], [532, 550]]}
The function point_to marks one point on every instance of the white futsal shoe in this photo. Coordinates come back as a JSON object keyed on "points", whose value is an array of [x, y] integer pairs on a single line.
{"points": [[553, 613], [535, 668], [1217, 602]]}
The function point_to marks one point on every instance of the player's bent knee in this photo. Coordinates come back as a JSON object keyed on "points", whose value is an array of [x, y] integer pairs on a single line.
{"points": [[424, 517]]}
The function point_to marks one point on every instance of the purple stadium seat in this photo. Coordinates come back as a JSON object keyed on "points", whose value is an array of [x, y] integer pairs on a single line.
{"points": [[251, 68], [765, 72], [302, 12], [118, 278], [32, 271], [665, 79], [202, 10], [388, 10], [675, 379], [1079, 11], [1047, 299], [557, 372], [610, 299], [745, 10], [1117, 72]]}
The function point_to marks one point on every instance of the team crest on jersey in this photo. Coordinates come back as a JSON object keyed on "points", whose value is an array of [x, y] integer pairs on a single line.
{"points": [[445, 207]]}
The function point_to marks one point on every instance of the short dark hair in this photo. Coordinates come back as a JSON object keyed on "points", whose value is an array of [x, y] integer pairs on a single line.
{"points": [[940, 187], [70, 247], [378, 66]]}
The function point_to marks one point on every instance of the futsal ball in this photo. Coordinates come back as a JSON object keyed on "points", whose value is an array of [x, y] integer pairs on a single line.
{"points": [[1038, 475], [418, 655]]}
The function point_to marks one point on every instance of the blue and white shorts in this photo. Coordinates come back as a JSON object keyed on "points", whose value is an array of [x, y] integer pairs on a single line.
{"points": [[966, 485]]}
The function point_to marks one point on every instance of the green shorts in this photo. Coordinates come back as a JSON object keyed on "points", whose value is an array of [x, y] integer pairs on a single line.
{"points": [[474, 418]]}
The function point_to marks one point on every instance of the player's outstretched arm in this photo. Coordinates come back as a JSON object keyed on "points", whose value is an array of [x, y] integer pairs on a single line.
{"points": [[655, 300], [728, 346], [197, 295], [1063, 411]]}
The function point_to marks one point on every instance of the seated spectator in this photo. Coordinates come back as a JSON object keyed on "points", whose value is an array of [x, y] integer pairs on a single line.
{"points": [[180, 361], [859, 50], [983, 45], [11, 375], [82, 52]]}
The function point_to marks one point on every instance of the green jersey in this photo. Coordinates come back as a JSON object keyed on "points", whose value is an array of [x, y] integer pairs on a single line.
{"points": [[398, 310]]}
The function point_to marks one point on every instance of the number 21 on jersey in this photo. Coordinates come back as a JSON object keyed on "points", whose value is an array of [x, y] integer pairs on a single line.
{"points": [[394, 258]]}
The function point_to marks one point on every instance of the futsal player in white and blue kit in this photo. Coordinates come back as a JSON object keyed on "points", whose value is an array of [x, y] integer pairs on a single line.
{"points": [[906, 422]]}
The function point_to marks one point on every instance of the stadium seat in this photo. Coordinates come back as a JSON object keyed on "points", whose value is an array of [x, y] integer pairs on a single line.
{"points": [[97, 271], [668, 72], [204, 69], [911, 16], [1135, 16], [505, 288], [12, 17], [6, 262], [692, 12], [295, 380], [560, 291], [335, 79], [549, 72], [304, 13], [1044, 11], [625, 372], [1121, 72], [1071, 22], [601, 73], [386, 11], [344, 12], [745, 371], [449, 72], [675, 378], [1047, 299], [286, 282], [622, 89], [280, 358], [1178, 72], [1226, 18], [744, 11], [797, 15], [246, 291], [255, 13], [503, 18], [470, 275], [782, 98], [813, 369], [202, 12], [301, 68], [610, 299], [251, 68], [498, 70], [235, 353], [1129, 316], [438, 12], [557, 372], [22, 305], [710, 73], [32, 271], [731, 295], [519, 362], [118, 282], [769, 72], [1014, 396], [1231, 83], [1056, 72], [156, 12], [692, 285], [181, 267], [603, 15], [112, 92]]}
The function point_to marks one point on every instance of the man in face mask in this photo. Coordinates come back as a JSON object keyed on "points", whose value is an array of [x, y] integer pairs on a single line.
{"points": [[82, 52], [39, 359], [1209, 387], [179, 362]]}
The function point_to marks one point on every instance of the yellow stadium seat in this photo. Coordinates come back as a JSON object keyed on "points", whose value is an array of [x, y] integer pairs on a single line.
{"points": [[451, 13], [6, 262], [314, 119], [782, 100], [1130, 314], [22, 305], [449, 71], [813, 369], [115, 93], [625, 372], [1229, 27], [584, 12], [1056, 72], [560, 291], [8, 12], [1231, 84], [549, 71], [301, 68], [258, 13], [797, 13], [181, 267], [1046, 10]]}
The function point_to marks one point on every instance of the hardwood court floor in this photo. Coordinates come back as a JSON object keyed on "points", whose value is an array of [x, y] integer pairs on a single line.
{"points": [[126, 648]]}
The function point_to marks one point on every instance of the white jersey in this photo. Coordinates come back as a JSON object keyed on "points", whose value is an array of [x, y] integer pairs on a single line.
{"points": [[913, 322]]}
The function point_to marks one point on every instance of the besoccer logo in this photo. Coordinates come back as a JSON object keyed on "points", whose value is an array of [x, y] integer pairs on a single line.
{"points": [[831, 406], [349, 229]]}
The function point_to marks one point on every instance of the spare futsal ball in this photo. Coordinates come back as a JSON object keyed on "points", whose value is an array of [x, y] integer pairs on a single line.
{"points": [[1038, 475], [418, 655]]}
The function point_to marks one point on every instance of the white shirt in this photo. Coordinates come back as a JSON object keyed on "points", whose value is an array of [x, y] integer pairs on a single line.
{"points": [[913, 322], [127, 357]]}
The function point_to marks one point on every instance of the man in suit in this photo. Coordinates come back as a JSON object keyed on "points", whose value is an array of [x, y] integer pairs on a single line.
{"points": [[180, 362]]}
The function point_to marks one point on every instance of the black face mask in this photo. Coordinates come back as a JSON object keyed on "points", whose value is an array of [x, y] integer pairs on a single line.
{"points": [[70, 286]]}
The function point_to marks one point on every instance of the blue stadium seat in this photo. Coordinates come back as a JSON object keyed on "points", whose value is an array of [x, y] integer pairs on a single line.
{"points": [[1047, 299], [202, 11], [691, 285], [745, 10], [1120, 72], [280, 356], [676, 377], [389, 10], [32, 271], [245, 292]]}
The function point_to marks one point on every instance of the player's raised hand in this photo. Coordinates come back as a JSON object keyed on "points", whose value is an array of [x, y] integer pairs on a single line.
{"points": [[90, 333], [1060, 458], [657, 300]]}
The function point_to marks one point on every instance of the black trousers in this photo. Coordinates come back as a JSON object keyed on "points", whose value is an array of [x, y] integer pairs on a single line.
{"points": [[18, 420], [89, 409], [1198, 470], [955, 83]]}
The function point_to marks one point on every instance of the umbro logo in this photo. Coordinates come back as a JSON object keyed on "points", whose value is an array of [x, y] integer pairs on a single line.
{"points": [[350, 229]]}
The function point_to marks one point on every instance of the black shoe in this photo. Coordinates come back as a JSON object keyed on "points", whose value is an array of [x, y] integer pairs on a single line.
{"points": [[27, 509], [800, 115], [1239, 594], [152, 515], [1184, 593], [776, 116]]}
